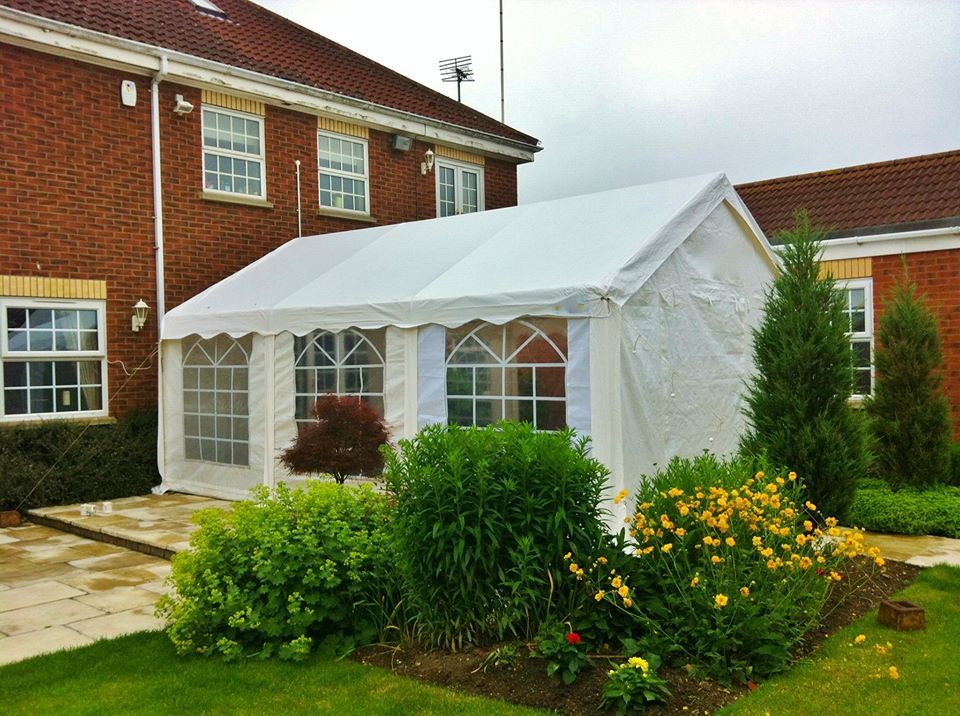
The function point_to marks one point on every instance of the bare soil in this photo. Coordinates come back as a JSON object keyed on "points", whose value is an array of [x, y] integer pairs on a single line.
{"points": [[528, 684]]}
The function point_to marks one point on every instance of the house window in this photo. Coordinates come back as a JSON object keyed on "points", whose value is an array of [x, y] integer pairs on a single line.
{"points": [[215, 400], [346, 363], [512, 372], [343, 174], [233, 152], [859, 313], [54, 358], [459, 188]]}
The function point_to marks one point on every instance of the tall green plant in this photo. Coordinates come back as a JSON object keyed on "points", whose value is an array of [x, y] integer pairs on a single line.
{"points": [[797, 410], [483, 519], [910, 417]]}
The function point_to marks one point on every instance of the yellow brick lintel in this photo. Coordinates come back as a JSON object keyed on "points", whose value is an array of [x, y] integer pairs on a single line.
{"points": [[340, 127], [847, 268], [43, 287], [458, 154], [227, 101]]}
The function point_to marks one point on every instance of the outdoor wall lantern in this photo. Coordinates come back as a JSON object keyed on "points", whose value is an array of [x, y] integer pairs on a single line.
{"points": [[139, 318], [427, 164], [182, 106]]}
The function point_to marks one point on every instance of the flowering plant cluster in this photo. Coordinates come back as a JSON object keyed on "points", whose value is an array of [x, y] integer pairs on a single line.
{"points": [[564, 650], [633, 684], [742, 564]]}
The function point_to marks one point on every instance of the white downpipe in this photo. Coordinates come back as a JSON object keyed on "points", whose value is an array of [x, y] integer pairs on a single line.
{"points": [[158, 249], [299, 217]]}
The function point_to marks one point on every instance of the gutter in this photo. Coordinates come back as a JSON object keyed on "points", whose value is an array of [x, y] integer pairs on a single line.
{"points": [[893, 243], [38, 30]]}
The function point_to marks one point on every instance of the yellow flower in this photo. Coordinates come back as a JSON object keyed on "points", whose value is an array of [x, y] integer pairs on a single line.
{"points": [[620, 497], [894, 673], [645, 506], [599, 595], [808, 525], [860, 638], [810, 506], [806, 563], [616, 582], [667, 547], [831, 521], [720, 600], [679, 532], [757, 540], [602, 560], [792, 476], [730, 541], [567, 555], [637, 663], [624, 591], [767, 552], [744, 592], [715, 559], [574, 567], [835, 577], [801, 540], [627, 602], [759, 475], [879, 561], [695, 581]]}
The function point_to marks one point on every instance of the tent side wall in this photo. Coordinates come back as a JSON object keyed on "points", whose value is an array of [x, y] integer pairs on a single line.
{"points": [[687, 348]]}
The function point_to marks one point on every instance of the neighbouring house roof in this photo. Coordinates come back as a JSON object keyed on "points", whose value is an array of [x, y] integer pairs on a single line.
{"points": [[253, 38], [897, 195], [567, 257]]}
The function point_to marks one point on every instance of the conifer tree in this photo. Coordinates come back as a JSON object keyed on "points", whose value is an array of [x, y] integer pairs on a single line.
{"points": [[909, 416], [797, 410]]}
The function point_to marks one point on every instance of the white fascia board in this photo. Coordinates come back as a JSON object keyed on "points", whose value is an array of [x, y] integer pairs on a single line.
{"points": [[893, 244], [33, 32]]}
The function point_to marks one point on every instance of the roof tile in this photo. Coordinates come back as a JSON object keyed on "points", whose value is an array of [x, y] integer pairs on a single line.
{"points": [[900, 191], [253, 38]]}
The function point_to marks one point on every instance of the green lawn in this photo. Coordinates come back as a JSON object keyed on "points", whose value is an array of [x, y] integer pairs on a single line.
{"points": [[141, 674], [850, 679]]}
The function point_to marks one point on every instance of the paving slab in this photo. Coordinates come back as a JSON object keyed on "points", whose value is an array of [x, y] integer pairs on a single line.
{"points": [[41, 616], [921, 550], [123, 558], [56, 638], [119, 599], [39, 593], [125, 622]]}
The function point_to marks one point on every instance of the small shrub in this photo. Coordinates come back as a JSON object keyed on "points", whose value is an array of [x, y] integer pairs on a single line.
{"points": [[954, 478], [483, 518], [345, 440], [797, 409], [732, 571], [634, 684], [909, 416], [71, 462], [277, 573], [563, 649], [930, 511]]}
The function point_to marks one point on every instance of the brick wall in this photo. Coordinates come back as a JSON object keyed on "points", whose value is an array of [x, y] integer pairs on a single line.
{"points": [[76, 195], [937, 274]]}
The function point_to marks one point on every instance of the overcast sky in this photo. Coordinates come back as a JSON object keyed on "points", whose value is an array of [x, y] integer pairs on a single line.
{"points": [[624, 92]]}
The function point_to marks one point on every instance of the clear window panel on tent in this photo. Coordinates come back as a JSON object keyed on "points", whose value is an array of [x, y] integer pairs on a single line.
{"points": [[215, 400], [512, 372], [350, 362]]}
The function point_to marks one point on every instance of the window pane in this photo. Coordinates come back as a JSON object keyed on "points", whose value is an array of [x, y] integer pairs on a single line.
{"points": [[15, 402], [489, 381], [16, 318], [41, 340], [15, 374], [65, 319], [459, 381], [858, 322], [41, 400], [518, 410], [41, 374], [551, 415], [857, 297], [68, 399], [551, 382], [66, 341], [460, 411], [488, 411]]}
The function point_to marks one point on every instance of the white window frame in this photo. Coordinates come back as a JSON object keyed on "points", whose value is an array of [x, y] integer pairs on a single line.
{"points": [[216, 151], [339, 365], [99, 355], [866, 284], [503, 364], [365, 177], [458, 169]]}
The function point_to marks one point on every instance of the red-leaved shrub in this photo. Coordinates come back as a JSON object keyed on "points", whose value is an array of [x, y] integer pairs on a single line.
{"points": [[345, 440]]}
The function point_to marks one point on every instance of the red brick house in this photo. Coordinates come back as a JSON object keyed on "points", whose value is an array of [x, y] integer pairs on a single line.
{"points": [[880, 216], [150, 149]]}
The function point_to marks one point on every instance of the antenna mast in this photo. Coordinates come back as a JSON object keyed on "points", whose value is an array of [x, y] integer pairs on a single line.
{"points": [[456, 69]]}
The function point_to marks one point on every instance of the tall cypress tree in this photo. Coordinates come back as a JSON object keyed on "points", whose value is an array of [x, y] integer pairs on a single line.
{"points": [[910, 418], [797, 410]]}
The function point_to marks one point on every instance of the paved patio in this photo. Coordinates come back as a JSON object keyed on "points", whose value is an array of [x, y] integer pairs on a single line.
{"points": [[60, 590]]}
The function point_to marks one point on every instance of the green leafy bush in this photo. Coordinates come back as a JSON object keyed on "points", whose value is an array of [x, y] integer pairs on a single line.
{"points": [[731, 570], [277, 573], [930, 511], [954, 478], [72, 462], [563, 649], [483, 519], [797, 409], [633, 684], [909, 416]]}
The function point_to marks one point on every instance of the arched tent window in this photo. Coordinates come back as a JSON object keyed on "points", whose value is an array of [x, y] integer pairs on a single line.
{"points": [[512, 372], [215, 400], [345, 363]]}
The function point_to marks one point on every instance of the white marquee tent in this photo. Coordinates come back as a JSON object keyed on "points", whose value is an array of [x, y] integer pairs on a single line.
{"points": [[625, 314]]}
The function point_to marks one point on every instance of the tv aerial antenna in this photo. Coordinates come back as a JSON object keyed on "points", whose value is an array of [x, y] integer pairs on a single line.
{"points": [[456, 69]]}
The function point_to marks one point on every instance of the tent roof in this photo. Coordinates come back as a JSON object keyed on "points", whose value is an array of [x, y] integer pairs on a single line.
{"points": [[565, 257]]}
